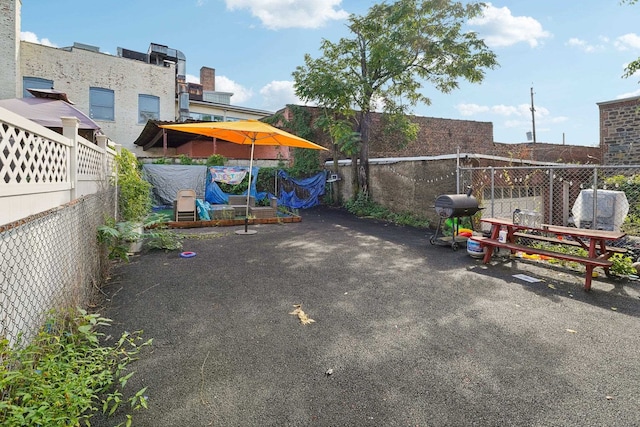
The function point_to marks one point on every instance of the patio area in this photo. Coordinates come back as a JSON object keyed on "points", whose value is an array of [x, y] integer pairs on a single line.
{"points": [[412, 334]]}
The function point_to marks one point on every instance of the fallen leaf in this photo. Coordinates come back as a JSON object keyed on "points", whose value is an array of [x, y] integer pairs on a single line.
{"points": [[551, 286], [572, 331], [614, 308]]}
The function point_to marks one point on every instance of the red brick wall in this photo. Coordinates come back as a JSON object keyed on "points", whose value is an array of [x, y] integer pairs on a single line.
{"points": [[444, 136], [233, 151]]}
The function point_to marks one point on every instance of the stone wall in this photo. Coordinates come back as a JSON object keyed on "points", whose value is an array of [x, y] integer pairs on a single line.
{"points": [[407, 186], [620, 131]]}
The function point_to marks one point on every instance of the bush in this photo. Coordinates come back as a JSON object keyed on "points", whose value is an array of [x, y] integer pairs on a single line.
{"points": [[65, 375], [216, 160], [363, 206], [134, 193]]}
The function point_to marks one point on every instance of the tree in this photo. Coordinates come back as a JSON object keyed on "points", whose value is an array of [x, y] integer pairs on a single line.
{"points": [[634, 66], [392, 51]]}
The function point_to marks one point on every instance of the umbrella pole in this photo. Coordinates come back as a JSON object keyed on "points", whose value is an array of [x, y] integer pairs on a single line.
{"points": [[246, 214]]}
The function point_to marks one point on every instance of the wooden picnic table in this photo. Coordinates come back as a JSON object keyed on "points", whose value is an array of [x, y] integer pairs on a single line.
{"points": [[593, 241]]}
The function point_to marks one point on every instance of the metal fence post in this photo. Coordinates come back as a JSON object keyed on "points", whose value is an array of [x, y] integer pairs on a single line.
{"points": [[493, 196], [550, 220], [594, 224]]}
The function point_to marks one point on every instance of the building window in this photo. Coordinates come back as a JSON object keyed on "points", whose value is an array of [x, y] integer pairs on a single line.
{"points": [[34, 83], [101, 103], [148, 108]]}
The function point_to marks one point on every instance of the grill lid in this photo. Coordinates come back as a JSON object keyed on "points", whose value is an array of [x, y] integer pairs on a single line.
{"points": [[456, 205]]}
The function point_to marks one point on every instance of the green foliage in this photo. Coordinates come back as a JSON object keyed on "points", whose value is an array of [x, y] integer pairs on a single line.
{"points": [[630, 185], [65, 376], [235, 188], [158, 235], [162, 161], [622, 265], [118, 236], [266, 180], [134, 193], [306, 162], [363, 206], [185, 160], [216, 160], [634, 66], [391, 53]]}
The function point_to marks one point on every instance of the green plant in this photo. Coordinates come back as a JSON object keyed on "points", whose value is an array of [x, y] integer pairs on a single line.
{"points": [[65, 375], [118, 236], [134, 193], [622, 265], [216, 160], [162, 161], [158, 235], [363, 206], [185, 160]]}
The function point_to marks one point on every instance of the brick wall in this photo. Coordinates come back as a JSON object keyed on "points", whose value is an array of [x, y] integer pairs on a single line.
{"points": [[10, 47], [233, 151], [439, 136], [436, 136], [620, 131], [74, 71]]}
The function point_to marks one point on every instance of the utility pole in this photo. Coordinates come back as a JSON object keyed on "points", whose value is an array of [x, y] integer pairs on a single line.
{"points": [[533, 116]]}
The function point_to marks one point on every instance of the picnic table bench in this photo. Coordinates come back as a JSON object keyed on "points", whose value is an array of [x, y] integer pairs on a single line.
{"points": [[593, 241]]}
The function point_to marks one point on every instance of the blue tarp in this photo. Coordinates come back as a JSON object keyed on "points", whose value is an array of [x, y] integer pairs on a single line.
{"points": [[313, 187], [213, 193]]}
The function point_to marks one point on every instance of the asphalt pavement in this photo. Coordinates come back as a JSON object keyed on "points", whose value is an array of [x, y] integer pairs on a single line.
{"points": [[406, 333]]}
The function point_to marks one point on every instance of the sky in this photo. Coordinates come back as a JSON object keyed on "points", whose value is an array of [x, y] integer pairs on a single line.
{"points": [[571, 52]]}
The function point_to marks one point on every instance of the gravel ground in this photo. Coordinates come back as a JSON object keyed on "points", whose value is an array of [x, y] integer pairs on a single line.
{"points": [[414, 334]]}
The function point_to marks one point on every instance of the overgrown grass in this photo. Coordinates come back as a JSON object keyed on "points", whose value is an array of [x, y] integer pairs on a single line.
{"points": [[65, 375], [363, 206]]}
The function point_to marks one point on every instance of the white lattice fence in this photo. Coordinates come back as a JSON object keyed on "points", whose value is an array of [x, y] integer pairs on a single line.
{"points": [[41, 169], [30, 160]]}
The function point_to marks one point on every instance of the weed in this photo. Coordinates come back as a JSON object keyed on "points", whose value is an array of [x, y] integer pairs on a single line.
{"points": [[363, 206], [64, 375]]}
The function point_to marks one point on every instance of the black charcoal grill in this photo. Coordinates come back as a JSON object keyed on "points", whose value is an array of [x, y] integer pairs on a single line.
{"points": [[453, 206]]}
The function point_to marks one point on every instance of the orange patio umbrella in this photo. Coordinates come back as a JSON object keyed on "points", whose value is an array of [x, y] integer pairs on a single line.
{"points": [[246, 132]]}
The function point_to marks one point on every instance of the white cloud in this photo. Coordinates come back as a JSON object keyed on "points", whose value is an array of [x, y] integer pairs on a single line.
{"points": [[628, 94], [28, 36], [515, 111], [627, 41], [583, 45], [278, 14], [190, 78], [471, 109], [500, 28], [279, 93], [241, 94]]}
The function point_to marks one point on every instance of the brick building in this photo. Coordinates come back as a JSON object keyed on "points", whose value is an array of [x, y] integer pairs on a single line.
{"points": [[439, 136], [620, 131]]}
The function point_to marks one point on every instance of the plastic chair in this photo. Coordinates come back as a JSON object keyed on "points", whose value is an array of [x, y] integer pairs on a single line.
{"points": [[186, 205]]}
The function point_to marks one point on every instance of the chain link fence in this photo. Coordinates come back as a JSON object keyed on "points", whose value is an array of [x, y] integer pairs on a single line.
{"points": [[51, 261], [598, 197]]}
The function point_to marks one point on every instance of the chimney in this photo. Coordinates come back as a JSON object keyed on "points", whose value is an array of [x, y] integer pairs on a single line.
{"points": [[208, 78]]}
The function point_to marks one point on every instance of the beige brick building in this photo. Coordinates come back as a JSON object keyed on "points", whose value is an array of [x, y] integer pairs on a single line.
{"points": [[119, 92]]}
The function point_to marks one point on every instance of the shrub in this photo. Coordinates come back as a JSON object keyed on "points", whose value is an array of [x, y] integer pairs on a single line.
{"points": [[134, 193], [216, 160], [65, 376]]}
